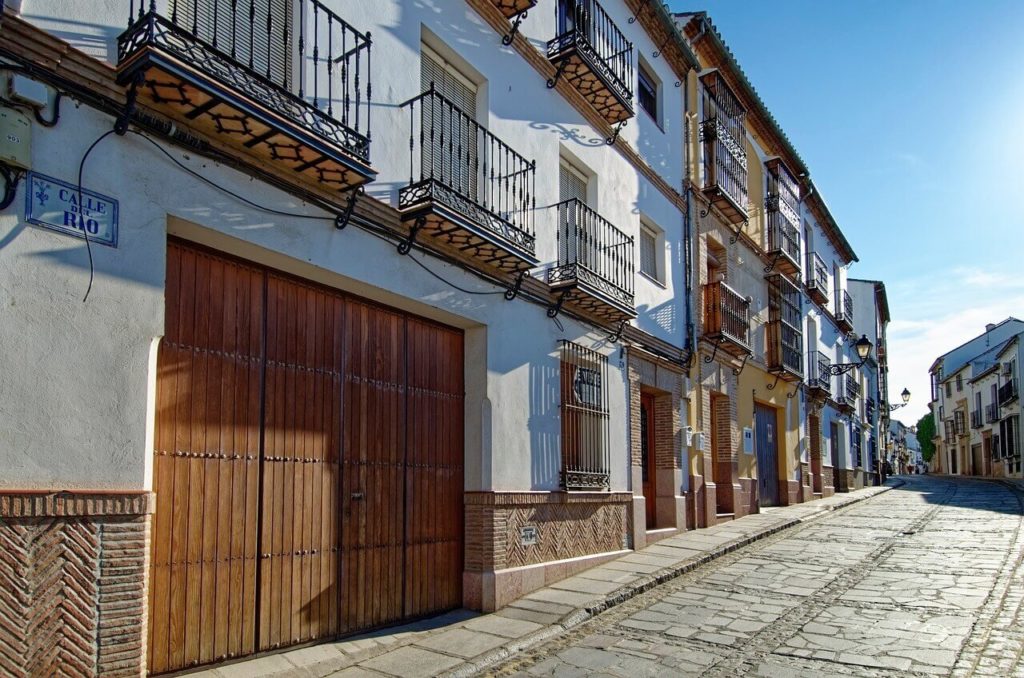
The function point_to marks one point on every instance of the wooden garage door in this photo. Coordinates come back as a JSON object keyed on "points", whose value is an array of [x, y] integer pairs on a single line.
{"points": [[308, 464]]}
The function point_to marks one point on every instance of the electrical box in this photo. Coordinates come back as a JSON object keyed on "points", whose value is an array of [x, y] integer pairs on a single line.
{"points": [[28, 91], [15, 138]]}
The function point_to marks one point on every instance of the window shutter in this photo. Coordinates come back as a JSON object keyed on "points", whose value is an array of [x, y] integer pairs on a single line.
{"points": [[231, 30], [571, 185], [453, 161], [649, 253]]}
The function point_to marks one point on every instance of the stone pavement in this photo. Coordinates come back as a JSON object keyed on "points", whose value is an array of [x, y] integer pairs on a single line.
{"points": [[464, 643], [924, 580]]}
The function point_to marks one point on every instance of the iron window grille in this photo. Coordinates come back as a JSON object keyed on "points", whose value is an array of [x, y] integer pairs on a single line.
{"points": [[817, 274], [585, 25], [992, 413], [724, 139], [783, 207], [960, 422], [1007, 393], [585, 418], [785, 336], [817, 370], [726, 314], [1009, 431], [855, 435]]}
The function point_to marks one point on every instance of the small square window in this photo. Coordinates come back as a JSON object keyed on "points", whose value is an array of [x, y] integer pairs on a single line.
{"points": [[650, 261], [647, 92]]}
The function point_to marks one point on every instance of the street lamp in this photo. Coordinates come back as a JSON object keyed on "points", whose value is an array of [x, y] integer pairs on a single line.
{"points": [[863, 346], [906, 399]]}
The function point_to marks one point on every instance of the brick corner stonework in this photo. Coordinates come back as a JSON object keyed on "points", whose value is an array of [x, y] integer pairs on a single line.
{"points": [[78, 564]]}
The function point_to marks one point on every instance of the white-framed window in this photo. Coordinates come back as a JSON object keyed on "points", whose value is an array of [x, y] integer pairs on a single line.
{"points": [[649, 92], [652, 245], [572, 183]]}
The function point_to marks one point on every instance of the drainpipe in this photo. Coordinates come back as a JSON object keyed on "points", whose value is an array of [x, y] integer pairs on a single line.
{"points": [[688, 339]]}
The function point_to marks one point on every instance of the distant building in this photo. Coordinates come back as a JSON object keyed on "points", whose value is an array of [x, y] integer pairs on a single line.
{"points": [[976, 404]]}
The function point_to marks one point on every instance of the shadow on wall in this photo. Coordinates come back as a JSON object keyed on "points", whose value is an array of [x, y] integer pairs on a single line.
{"points": [[545, 452], [96, 40]]}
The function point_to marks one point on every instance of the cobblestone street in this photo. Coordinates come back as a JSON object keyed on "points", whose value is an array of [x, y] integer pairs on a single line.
{"points": [[924, 580]]}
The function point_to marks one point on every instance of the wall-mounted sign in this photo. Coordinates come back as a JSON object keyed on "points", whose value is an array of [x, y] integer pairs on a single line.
{"points": [[59, 206], [748, 440], [528, 535], [587, 387]]}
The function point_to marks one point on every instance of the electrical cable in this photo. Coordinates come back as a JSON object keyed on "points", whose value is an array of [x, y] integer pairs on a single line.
{"points": [[12, 177], [81, 214], [210, 182]]}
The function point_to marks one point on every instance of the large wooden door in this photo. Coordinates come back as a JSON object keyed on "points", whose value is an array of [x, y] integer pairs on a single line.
{"points": [[308, 464], [766, 446]]}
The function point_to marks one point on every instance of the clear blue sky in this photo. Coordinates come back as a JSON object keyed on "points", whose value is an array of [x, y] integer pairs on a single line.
{"points": [[910, 116]]}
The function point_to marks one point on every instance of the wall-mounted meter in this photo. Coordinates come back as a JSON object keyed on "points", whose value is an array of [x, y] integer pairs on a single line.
{"points": [[15, 138]]}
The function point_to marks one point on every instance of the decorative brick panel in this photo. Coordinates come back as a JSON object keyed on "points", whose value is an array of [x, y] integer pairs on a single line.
{"points": [[568, 525], [73, 584]]}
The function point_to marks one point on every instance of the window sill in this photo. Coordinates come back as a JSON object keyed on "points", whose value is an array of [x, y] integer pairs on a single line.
{"points": [[654, 280]]}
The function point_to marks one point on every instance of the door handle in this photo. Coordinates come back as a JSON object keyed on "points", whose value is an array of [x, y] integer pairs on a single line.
{"points": [[357, 496]]}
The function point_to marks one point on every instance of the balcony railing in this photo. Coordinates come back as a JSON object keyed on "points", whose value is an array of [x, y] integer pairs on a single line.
{"points": [[1007, 393], [286, 82], [992, 413], [784, 335], [852, 388], [782, 207], [724, 145], [595, 261], [976, 419], [817, 374], [593, 54], [869, 409], [467, 187], [959, 422], [844, 310], [817, 278], [727, 318]]}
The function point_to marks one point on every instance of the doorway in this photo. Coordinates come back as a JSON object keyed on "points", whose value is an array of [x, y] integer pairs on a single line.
{"points": [[766, 445], [648, 458]]}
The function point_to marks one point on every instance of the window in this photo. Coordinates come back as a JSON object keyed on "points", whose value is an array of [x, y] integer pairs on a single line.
{"points": [[949, 389], [454, 122], [960, 420], [959, 383], [647, 92], [584, 391], [1009, 430], [650, 253], [855, 440]]}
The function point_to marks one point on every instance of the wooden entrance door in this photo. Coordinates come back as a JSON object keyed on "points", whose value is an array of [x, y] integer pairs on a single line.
{"points": [[766, 447], [308, 464], [814, 426], [648, 458]]}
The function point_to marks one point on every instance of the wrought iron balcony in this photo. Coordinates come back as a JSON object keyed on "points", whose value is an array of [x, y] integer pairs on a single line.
{"points": [[285, 84], [847, 391], [727, 319], [1007, 393], [960, 422], [595, 264], [467, 188], [723, 138], [784, 330], [782, 207], [844, 311], [592, 54], [992, 413], [869, 409], [976, 419], [817, 278], [817, 375]]}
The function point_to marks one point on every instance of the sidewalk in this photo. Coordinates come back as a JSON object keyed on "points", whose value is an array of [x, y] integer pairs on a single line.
{"points": [[461, 643]]}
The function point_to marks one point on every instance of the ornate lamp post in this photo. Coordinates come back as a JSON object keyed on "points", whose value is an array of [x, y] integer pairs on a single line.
{"points": [[863, 346], [906, 399]]}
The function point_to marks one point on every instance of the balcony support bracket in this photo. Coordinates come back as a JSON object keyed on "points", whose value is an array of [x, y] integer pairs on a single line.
{"points": [[778, 376], [558, 74], [736, 234], [405, 246], [796, 389], [614, 338], [775, 260], [615, 134], [736, 370], [553, 311], [341, 221], [510, 36], [123, 120], [513, 291], [709, 358]]}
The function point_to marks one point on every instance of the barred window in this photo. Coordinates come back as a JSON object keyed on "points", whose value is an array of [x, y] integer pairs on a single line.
{"points": [[855, 444], [959, 383], [1009, 430], [584, 390]]}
